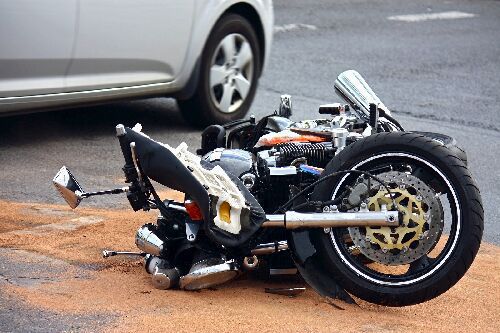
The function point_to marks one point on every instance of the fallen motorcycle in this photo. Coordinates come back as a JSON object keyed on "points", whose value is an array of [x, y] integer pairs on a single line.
{"points": [[362, 206]]}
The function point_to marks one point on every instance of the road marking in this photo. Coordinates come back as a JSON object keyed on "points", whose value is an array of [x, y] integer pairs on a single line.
{"points": [[431, 16], [294, 26]]}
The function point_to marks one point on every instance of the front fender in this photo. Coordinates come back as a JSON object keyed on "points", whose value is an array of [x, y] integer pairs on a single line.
{"points": [[309, 265]]}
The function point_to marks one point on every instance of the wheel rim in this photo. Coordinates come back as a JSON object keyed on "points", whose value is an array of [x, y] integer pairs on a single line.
{"points": [[231, 71], [442, 257]]}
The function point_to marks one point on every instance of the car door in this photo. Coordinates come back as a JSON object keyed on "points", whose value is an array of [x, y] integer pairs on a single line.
{"points": [[36, 40], [129, 42]]}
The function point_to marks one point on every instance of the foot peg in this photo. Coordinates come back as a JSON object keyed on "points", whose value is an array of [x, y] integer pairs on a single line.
{"points": [[110, 253], [208, 273]]}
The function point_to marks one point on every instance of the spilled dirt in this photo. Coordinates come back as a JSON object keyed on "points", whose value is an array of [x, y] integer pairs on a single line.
{"points": [[50, 261]]}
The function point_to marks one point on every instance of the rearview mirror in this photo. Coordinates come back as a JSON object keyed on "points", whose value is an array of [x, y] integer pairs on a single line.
{"points": [[68, 187]]}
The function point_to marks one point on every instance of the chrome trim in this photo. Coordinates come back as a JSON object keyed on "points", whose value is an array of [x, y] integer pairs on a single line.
{"points": [[282, 171], [294, 220], [177, 206], [68, 187], [250, 262], [85, 92], [111, 253], [269, 248], [353, 87], [285, 108], [209, 276], [165, 278], [339, 136], [147, 241], [120, 130], [134, 159]]}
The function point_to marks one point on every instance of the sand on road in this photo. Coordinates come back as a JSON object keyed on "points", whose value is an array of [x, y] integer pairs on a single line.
{"points": [[57, 255]]}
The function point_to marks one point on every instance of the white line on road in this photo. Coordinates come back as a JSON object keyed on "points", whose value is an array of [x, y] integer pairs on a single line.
{"points": [[431, 16], [294, 26]]}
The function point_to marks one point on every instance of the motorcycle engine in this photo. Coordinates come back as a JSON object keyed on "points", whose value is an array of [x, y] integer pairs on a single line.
{"points": [[238, 162], [289, 153]]}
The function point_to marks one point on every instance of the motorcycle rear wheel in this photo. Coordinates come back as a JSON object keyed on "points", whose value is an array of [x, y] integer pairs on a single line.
{"points": [[427, 277]]}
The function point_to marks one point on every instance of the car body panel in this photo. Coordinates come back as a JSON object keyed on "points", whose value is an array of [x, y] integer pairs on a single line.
{"points": [[128, 42], [138, 63], [35, 55]]}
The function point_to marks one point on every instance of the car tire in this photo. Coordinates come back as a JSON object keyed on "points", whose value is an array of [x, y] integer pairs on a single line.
{"points": [[229, 71]]}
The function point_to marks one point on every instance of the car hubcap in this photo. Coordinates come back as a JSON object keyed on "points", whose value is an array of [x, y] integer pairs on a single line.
{"points": [[231, 73]]}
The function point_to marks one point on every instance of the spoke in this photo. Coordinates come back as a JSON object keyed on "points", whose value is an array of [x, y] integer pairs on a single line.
{"points": [[217, 75], [244, 56], [227, 97], [229, 47], [242, 85]]}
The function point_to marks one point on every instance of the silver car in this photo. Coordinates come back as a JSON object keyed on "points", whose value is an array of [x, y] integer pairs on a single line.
{"points": [[208, 54]]}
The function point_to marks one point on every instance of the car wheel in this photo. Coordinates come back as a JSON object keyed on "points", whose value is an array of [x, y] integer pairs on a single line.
{"points": [[230, 68]]}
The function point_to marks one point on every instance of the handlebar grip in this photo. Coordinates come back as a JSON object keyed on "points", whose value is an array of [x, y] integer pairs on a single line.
{"points": [[332, 109], [325, 111]]}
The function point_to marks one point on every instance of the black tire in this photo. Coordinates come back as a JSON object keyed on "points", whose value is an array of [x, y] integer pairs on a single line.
{"points": [[200, 110], [448, 141], [462, 247]]}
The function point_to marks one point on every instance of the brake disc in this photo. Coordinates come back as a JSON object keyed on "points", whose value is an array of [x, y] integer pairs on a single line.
{"points": [[421, 226]]}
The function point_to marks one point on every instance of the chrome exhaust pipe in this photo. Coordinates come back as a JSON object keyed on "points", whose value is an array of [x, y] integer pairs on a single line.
{"points": [[353, 88], [295, 220], [163, 276], [147, 241], [269, 248]]}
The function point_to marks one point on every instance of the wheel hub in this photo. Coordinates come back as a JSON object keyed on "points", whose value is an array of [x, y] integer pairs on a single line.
{"points": [[231, 73], [421, 225]]}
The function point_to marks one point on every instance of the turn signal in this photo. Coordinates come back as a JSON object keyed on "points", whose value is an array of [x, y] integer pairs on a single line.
{"points": [[193, 210], [225, 212]]}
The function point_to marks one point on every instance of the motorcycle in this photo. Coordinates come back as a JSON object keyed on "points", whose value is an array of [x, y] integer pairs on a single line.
{"points": [[362, 206]]}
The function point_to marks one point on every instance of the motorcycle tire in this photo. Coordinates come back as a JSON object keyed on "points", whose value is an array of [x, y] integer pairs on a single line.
{"points": [[447, 141], [436, 275]]}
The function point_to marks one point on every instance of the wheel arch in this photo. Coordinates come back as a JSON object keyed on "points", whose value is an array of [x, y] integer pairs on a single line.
{"points": [[249, 12]]}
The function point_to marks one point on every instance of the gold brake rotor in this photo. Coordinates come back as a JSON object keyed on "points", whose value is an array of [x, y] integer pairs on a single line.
{"points": [[421, 224], [413, 224]]}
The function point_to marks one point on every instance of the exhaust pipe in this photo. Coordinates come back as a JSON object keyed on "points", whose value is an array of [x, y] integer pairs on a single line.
{"points": [[295, 220], [147, 241], [269, 248]]}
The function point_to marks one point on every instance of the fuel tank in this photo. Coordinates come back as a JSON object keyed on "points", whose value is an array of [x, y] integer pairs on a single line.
{"points": [[240, 163]]}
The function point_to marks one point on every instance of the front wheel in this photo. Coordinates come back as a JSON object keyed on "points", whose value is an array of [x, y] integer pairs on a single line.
{"points": [[441, 227], [230, 68]]}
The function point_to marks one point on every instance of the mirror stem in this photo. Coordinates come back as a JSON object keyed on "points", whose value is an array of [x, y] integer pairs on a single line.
{"points": [[114, 191]]}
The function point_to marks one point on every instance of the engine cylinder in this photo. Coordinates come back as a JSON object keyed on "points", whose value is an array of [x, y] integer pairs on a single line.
{"points": [[317, 154]]}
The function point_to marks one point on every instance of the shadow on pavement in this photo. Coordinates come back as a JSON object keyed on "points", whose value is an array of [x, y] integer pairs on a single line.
{"points": [[154, 114]]}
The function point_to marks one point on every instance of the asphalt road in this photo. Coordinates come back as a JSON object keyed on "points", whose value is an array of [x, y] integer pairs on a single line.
{"points": [[437, 75]]}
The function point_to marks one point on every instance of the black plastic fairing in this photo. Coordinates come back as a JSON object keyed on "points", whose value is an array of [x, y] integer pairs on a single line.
{"points": [[162, 166]]}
